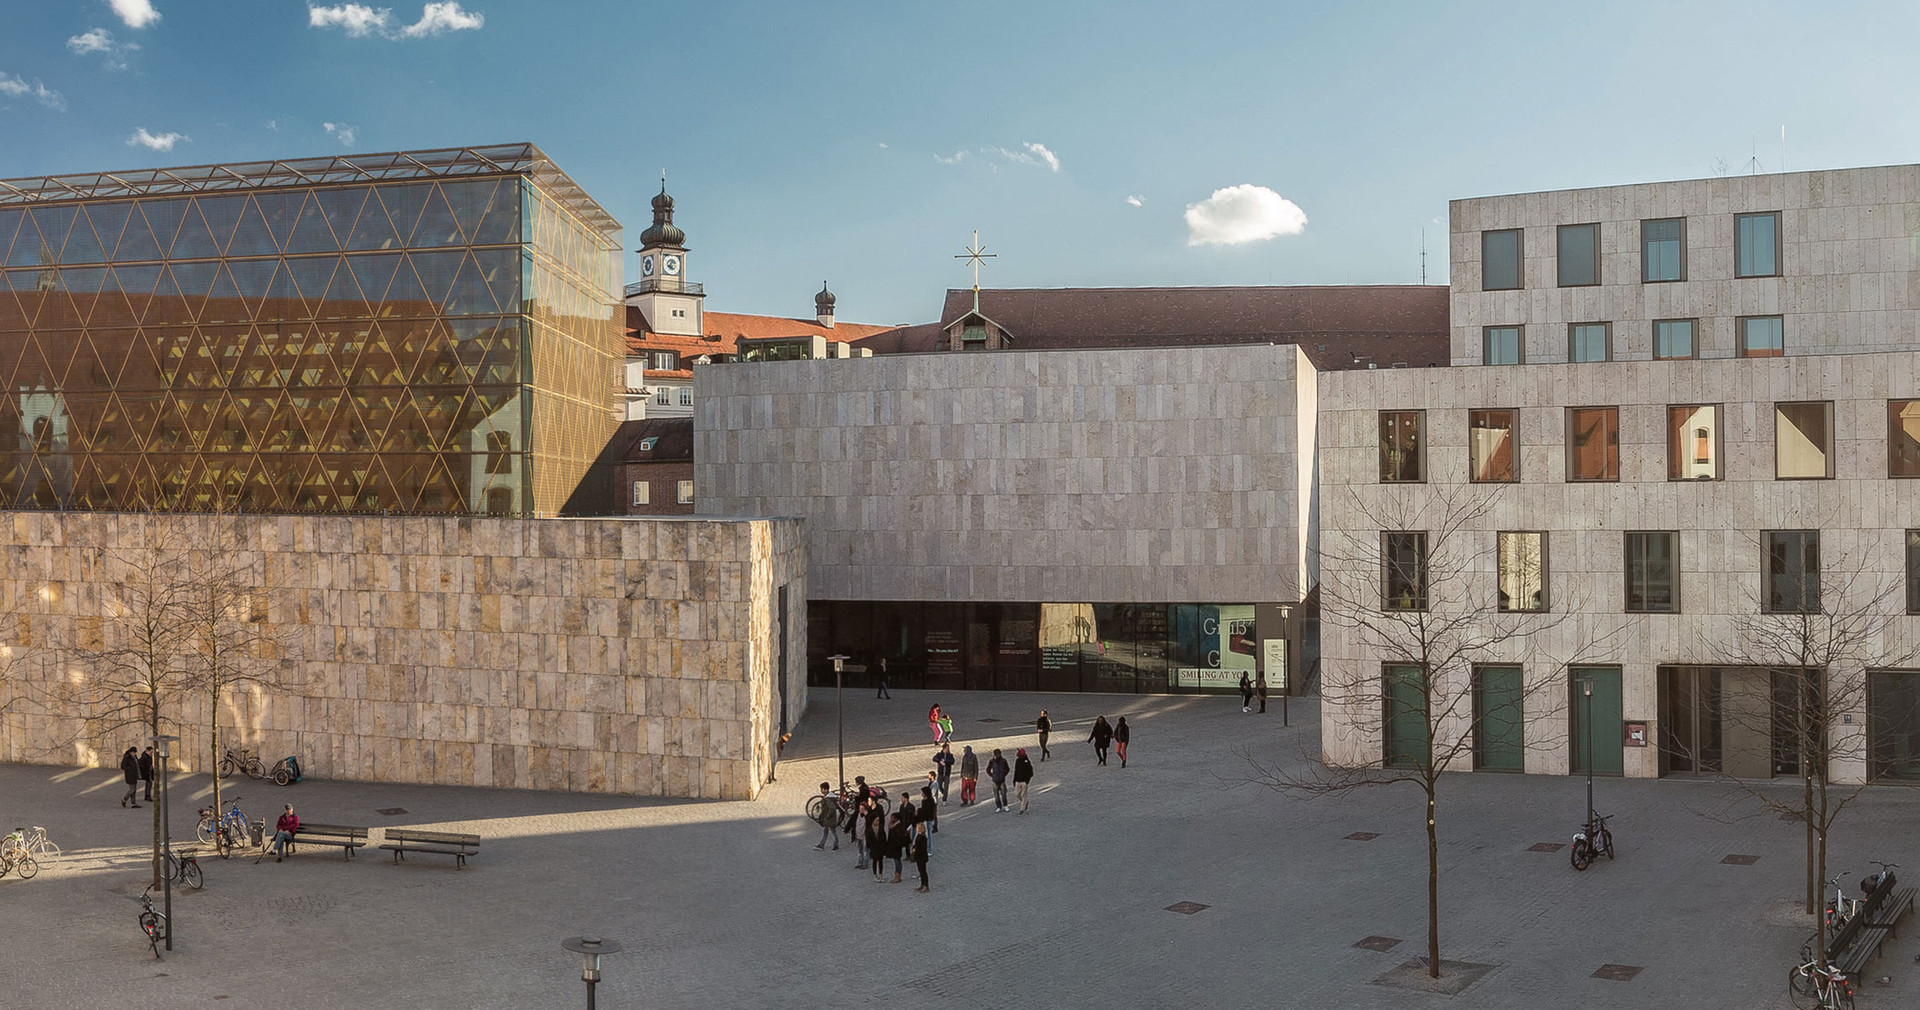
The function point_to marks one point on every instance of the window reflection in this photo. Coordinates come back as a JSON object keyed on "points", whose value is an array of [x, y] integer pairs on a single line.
{"points": [[1400, 445], [1403, 583], [1793, 572], [1903, 438], [1693, 442], [1652, 564], [1803, 440], [1523, 571], [1593, 443], [1490, 445]]}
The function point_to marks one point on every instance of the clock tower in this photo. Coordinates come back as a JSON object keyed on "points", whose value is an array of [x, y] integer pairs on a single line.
{"points": [[670, 302]]}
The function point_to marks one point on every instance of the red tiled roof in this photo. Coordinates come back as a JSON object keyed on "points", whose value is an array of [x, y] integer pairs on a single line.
{"points": [[725, 330]]}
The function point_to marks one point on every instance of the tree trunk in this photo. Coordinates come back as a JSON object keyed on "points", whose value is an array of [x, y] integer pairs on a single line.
{"points": [[153, 723], [213, 745], [1433, 889]]}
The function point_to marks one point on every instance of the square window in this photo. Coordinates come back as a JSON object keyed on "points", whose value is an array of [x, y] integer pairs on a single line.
{"points": [[1653, 565], [642, 493], [1500, 264], [1492, 445], [1693, 442], [1793, 572], [1672, 338], [1663, 250], [1403, 583], [1756, 245], [1523, 572], [1903, 438], [664, 361], [1502, 345], [1802, 440], [686, 492], [1590, 342], [663, 395], [1593, 443], [1579, 255], [1762, 337], [1402, 446]]}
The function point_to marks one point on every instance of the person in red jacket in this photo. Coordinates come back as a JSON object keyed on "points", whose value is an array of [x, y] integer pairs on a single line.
{"points": [[283, 831]]}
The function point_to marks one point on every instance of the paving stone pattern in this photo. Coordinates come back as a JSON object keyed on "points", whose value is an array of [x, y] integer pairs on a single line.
{"points": [[726, 903]]}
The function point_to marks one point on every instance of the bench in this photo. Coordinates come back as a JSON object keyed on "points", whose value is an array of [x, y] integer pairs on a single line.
{"points": [[404, 840], [347, 836], [1860, 940]]}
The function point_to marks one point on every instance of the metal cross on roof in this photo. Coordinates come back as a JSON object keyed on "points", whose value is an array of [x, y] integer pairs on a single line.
{"points": [[973, 255]]}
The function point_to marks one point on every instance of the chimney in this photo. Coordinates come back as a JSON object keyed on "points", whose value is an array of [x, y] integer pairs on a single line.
{"points": [[823, 306]]}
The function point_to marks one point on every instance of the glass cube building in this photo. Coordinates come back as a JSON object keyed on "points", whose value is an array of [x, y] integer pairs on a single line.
{"points": [[419, 332]]}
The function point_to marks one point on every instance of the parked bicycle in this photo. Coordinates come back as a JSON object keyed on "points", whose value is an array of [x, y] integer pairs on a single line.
{"points": [[14, 857], [1841, 909], [153, 922], [185, 868], [224, 832], [1590, 841], [847, 799], [243, 759], [1871, 882], [39, 845], [1814, 987]]}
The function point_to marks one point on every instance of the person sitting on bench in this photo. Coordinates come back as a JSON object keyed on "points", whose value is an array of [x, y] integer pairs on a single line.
{"points": [[283, 831]]}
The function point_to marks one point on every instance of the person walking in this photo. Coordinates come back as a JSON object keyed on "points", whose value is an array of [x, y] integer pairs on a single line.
{"points": [[921, 851], [1260, 691], [933, 723], [943, 765], [829, 817], [1101, 736], [969, 775], [130, 767], [1246, 694], [146, 773], [997, 770], [908, 812], [929, 811], [1045, 726], [1121, 734], [1022, 776], [883, 692]]}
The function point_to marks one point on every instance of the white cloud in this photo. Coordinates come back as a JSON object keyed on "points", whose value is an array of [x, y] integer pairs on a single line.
{"points": [[360, 20], [357, 19], [135, 13], [340, 132], [274, 125], [440, 18], [883, 145], [1243, 213], [162, 142], [956, 158], [1040, 151], [17, 87], [1135, 201], [100, 41], [1030, 154]]}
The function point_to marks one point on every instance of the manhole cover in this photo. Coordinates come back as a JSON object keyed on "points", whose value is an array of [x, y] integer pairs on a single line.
{"points": [[1187, 907], [1792, 816], [1378, 943], [1737, 859], [989, 719], [1363, 836], [1618, 972], [391, 811], [1546, 847]]}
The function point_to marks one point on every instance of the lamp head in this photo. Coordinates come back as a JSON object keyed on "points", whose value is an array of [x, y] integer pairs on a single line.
{"points": [[590, 949]]}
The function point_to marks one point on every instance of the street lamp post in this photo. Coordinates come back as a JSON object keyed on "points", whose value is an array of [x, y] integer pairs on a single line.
{"points": [[166, 836], [1586, 690], [1286, 662], [840, 712], [590, 949]]}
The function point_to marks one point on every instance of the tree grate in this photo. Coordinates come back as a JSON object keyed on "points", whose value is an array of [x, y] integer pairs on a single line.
{"points": [[1378, 943], [1618, 972], [1187, 907], [391, 811], [1363, 836]]}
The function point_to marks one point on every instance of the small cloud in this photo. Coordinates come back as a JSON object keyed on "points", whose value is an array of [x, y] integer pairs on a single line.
{"points": [[1040, 151], [956, 158], [274, 125], [340, 132], [17, 87], [360, 20], [440, 18], [100, 41], [1030, 154], [161, 142], [883, 145], [136, 14], [1135, 201], [1243, 213], [357, 19]]}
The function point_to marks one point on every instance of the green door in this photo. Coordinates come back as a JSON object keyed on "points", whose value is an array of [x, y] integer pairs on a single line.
{"points": [[1497, 717], [1603, 714], [1406, 717]]}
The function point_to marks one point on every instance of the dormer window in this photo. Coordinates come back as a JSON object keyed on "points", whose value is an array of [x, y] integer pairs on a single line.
{"points": [[663, 361], [647, 444]]}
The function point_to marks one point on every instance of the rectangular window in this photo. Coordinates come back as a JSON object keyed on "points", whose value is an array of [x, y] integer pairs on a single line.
{"points": [[1756, 245], [1672, 338], [1802, 440], [1403, 583], [1593, 443], [1903, 438], [1500, 264], [499, 449], [1579, 255], [1492, 445], [663, 395], [1401, 446], [1793, 572], [1653, 569], [686, 396], [1590, 342], [663, 361], [686, 492], [1693, 442], [1523, 572], [1913, 571], [1502, 345], [642, 493], [1663, 250], [1762, 337]]}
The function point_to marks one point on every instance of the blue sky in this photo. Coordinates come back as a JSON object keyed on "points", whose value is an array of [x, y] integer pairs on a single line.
{"points": [[862, 143]]}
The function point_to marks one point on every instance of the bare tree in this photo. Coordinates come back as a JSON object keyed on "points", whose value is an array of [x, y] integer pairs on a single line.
{"points": [[1416, 599]]}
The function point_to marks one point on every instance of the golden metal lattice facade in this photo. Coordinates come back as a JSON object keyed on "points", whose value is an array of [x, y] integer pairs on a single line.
{"points": [[426, 341]]}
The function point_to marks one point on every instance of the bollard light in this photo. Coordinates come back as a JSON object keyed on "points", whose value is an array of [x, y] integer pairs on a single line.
{"points": [[590, 949]]}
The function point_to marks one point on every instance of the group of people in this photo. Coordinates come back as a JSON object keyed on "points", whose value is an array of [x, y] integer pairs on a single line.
{"points": [[137, 766], [878, 835], [1249, 688]]}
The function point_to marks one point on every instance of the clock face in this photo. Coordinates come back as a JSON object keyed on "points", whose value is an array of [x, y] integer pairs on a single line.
{"points": [[646, 266], [671, 265]]}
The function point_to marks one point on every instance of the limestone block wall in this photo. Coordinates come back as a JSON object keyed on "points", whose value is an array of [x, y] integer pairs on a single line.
{"points": [[1124, 475], [637, 656]]}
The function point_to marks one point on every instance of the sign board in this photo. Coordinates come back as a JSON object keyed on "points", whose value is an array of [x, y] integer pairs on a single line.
{"points": [[1636, 734], [1276, 649]]}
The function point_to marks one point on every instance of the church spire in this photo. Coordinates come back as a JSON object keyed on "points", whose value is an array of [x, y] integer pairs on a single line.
{"points": [[663, 233]]}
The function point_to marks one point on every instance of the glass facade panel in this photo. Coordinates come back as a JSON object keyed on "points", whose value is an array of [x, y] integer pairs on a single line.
{"points": [[1579, 255], [1492, 445], [1762, 337], [1500, 260], [1793, 572], [1663, 252], [1802, 440], [1673, 338], [1403, 571], [1593, 443], [1756, 245], [1653, 565], [1402, 446], [1523, 572], [1589, 342], [1502, 345], [1903, 438], [1693, 442]]}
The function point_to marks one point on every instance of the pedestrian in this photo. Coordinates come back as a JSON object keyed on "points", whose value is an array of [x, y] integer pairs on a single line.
{"points": [[1121, 734], [1102, 734], [857, 834], [1022, 776], [908, 811], [883, 692], [997, 771], [130, 767], [899, 838], [969, 775], [1045, 726], [283, 831], [876, 838], [933, 723], [1246, 694], [146, 772], [929, 810], [1260, 690], [829, 817], [946, 727], [921, 850], [943, 763]]}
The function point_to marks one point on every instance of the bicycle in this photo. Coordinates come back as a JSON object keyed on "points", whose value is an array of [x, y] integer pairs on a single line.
{"points": [[152, 921], [1590, 841], [222, 831], [244, 760], [14, 856], [1872, 881], [38, 845], [1828, 988], [847, 800], [186, 869], [1841, 909]]}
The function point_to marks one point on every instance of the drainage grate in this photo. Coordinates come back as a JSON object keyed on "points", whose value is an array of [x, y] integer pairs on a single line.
{"points": [[1737, 859], [1546, 847], [1363, 836], [1618, 972], [1378, 943], [391, 811], [1187, 907]]}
